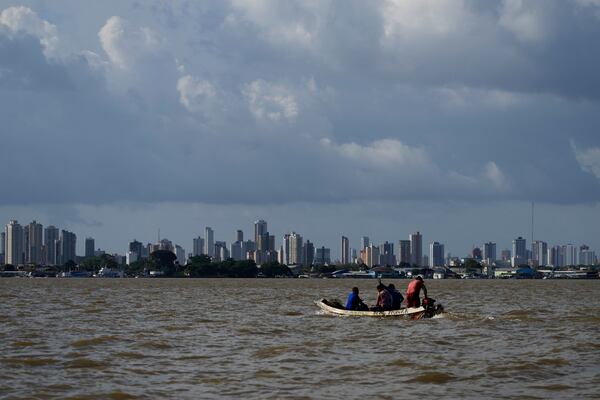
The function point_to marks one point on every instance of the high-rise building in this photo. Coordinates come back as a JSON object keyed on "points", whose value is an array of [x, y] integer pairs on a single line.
{"points": [[519, 251], [416, 248], [285, 249], [260, 228], [68, 245], [35, 244], [14, 252], [247, 247], [90, 247], [345, 249], [308, 253], [364, 242], [586, 256], [386, 254], [404, 252], [136, 248], [505, 255], [239, 235], [197, 246], [489, 253], [296, 243], [209, 241], [180, 254], [371, 256], [323, 256], [2, 246], [571, 255], [235, 250], [50, 237], [476, 253], [436, 254], [539, 252]]}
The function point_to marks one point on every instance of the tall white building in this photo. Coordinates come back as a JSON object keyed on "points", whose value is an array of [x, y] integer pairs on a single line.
{"points": [[296, 244], [197, 246], [540, 252], [14, 252], [571, 255], [285, 250], [209, 242], [436, 254], [416, 248], [345, 249], [180, 254], [372, 255]]}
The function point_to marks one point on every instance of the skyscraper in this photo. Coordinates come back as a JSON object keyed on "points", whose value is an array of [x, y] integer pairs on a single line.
{"points": [[14, 243], [539, 252], [2, 246], [136, 248], [34, 243], [323, 256], [489, 253], [295, 249], [239, 235], [68, 244], [404, 252], [90, 247], [416, 248], [345, 249], [571, 255], [519, 251], [209, 242], [197, 246], [285, 247], [260, 228], [372, 255], [364, 242], [308, 253], [436, 254], [386, 254], [50, 238]]}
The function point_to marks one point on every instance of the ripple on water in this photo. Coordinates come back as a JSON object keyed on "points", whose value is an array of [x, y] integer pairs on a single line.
{"points": [[432, 377], [93, 341], [85, 363], [29, 361], [271, 351]]}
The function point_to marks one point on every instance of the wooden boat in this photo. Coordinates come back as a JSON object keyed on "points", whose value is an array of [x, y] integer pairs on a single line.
{"points": [[334, 307]]}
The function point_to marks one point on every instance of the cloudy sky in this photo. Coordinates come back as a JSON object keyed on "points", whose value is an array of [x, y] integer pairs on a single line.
{"points": [[373, 118]]}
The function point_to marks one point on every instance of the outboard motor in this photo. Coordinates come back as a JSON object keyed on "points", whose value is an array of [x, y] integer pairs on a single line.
{"points": [[430, 308]]}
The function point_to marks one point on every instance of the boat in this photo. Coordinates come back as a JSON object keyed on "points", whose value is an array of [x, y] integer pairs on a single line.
{"points": [[335, 307]]}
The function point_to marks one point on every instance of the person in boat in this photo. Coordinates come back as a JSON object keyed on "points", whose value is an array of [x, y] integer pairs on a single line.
{"points": [[413, 291], [384, 299], [354, 302], [397, 297]]}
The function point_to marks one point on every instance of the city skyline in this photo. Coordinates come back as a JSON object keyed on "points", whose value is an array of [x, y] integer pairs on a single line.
{"points": [[370, 118]]}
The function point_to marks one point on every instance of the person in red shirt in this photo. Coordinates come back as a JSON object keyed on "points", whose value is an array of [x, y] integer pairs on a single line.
{"points": [[413, 291], [384, 299]]}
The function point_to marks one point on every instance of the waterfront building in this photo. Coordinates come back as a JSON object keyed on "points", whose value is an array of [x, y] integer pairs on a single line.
{"points": [[247, 247], [371, 256], [2, 246], [519, 252], [137, 248], [354, 256], [386, 254], [131, 257], [364, 242], [308, 253], [33, 254], [239, 235], [570, 255], [68, 246], [345, 250], [436, 254], [209, 242], [197, 246], [489, 253], [90, 247], [220, 252], [260, 228], [323, 256], [539, 252], [416, 249], [180, 254], [285, 249], [236, 249], [587, 256], [14, 251], [505, 255], [296, 243], [404, 252]]}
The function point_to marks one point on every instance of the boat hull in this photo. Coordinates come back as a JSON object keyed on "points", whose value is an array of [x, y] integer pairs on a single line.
{"points": [[409, 313]]}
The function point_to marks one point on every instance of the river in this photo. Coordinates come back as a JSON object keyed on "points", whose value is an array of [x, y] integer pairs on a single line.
{"points": [[260, 338]]}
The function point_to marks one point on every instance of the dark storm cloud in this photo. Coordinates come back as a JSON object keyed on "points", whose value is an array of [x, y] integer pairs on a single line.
{"points": [[278, 102]]}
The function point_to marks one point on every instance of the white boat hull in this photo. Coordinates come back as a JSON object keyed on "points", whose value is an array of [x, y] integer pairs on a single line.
{"points": [[413, 313]]}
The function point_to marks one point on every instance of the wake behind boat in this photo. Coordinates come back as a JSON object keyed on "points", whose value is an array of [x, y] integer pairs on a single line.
{"points": [[335, 307]]}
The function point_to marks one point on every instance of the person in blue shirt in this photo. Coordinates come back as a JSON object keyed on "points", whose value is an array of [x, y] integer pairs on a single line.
{"points": [[354, 302]]}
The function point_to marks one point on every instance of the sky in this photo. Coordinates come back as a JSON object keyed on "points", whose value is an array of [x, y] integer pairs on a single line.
{"points": [[328, 118]]}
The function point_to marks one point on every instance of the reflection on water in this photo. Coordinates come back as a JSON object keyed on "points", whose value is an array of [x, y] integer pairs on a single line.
{"points": [[137, 338]]}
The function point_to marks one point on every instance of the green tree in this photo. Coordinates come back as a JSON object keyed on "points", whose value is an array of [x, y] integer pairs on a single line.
{"points": [[165, 261], [472, 266], [273, 269]]}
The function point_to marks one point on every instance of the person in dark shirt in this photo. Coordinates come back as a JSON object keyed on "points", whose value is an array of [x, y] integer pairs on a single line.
{"points": [[354, 302], [384, 299], [397, 297]]}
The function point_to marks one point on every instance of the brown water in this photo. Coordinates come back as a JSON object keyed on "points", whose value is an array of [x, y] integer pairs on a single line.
{"points": [[144, 338]]}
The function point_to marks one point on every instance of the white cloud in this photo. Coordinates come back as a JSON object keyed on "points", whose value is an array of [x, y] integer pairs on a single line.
{"points": [[23, 19], [194, 93], [523, 20], [270, 101], [495, 176], [122, 42], [588, 159]]}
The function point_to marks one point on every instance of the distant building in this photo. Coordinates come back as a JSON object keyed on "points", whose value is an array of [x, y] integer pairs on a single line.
{"points": [[308, 253], [2, 246], [364, 242], [404, 252], [180, 254], [136, 248], [416, 248], [489, 253], [239, 235], [436, 254], [371, 256], [323, 256], [345, 250], [285, 250], [260, 228], [539, 252], [197, 246], [235, 250], [477, 254], [209, 242], [131, 257], [386, 254], [296, 244], [571, 255], [14, 252], [519, 252], [505, 255], [35, 244], [50, 237], [68, 246], [90, 247]]}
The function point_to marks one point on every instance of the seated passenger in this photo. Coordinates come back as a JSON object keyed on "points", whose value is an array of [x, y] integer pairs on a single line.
{"points": [[384, 299], [354, 302], [397, 297]]}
